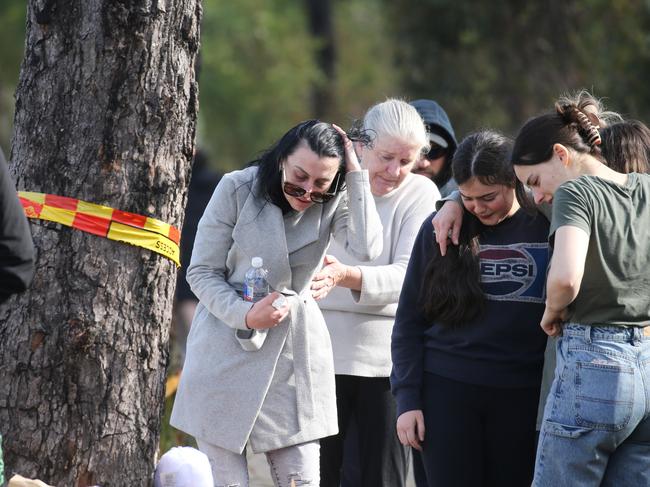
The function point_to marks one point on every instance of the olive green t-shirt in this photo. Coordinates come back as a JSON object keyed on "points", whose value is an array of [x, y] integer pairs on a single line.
{"points": [[615, 289]]}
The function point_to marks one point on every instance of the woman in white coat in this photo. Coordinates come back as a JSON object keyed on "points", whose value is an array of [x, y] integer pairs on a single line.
{"points": [[279, 399]]}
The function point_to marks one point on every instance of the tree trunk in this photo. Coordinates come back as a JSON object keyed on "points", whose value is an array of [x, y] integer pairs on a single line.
{"points": [[105, 112], [319, 13]]}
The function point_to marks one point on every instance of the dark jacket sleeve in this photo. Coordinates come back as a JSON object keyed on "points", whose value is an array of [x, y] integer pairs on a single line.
{"points": [[408, 338], [16, 246]]}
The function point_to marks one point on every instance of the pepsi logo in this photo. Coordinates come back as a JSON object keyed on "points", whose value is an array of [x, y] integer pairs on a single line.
{"points": [[515, 272]]}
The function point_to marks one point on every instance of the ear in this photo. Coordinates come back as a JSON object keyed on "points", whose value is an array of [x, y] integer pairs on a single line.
{"points": [[562, 153]]}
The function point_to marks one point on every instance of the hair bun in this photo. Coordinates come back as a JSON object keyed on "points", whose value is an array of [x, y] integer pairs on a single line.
{"points": [[588, 130]]}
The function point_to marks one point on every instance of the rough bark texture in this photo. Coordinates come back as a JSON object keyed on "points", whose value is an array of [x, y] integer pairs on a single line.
{"points": [[105, 112]]}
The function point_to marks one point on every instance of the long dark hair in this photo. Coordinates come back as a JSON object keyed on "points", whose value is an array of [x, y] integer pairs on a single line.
{"points": [[451, 291], [319, 136]]}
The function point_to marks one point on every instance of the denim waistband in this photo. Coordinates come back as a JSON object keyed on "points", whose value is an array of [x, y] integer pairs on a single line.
{"points": [[604, 332]]}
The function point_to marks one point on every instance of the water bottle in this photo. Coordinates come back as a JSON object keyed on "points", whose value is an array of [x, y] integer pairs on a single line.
{"points": [[255, 285]]}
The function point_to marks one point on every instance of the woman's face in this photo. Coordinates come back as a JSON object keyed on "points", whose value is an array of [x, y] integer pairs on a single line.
{"points": [[544, 178], [491, 204], [388, 163], [305, 169]]}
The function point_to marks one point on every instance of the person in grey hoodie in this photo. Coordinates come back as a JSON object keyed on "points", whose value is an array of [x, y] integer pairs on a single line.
{"points": [[436, 164]]}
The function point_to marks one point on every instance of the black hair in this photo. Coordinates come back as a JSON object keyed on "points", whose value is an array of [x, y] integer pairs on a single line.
{"points": [[319, 136], [573, 123], [626, 146], [451, 291], [485, 155]]}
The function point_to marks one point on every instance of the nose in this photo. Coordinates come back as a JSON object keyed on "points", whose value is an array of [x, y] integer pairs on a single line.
{"points": [[307, 186], [393, 168], [478, 207], [423, 163], [538, 196]]}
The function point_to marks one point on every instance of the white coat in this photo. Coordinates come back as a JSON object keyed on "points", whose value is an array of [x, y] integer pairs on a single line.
{"points": [[285, 390]]}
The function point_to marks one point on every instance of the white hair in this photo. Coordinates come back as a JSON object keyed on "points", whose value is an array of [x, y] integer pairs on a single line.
{"points": [[398, 119]]}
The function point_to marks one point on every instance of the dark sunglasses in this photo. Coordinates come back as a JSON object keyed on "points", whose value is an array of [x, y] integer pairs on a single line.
{"points": [[315, 196], [436, 151]]}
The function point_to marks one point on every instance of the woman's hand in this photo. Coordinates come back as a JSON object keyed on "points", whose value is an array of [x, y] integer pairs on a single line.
{"points": [[264, 315], [410, 428], [332, 273], [552, 321], [351, 160], [447, 223]]}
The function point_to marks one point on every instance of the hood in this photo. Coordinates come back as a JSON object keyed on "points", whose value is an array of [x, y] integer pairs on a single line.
{"points": [[434, 116]]}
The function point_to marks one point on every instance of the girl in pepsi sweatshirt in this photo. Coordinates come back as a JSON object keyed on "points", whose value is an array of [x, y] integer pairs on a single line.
{"points": [[467, 348]]}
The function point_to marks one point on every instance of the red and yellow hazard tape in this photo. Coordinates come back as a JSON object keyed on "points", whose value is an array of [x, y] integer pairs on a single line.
{"points": [[104, 221]]}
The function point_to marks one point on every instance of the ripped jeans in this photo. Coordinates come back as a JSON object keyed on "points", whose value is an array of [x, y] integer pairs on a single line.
{"points": [[300, 463], [596, 427]]}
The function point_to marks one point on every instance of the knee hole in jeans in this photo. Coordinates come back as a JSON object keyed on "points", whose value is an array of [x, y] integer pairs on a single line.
{"points": [[297, 480]]}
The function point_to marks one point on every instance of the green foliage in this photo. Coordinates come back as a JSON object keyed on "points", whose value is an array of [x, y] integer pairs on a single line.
{"points": [[365, 71], [258, 68], [494, 64], [256, 72], [488, 63], [12, 40]]}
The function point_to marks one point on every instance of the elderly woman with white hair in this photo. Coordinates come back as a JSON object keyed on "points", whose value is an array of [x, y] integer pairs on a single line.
{"points": [[360, 309]]}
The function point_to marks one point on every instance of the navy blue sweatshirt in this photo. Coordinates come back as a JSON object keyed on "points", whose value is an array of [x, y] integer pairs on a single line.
{"points": [[504, 347]]}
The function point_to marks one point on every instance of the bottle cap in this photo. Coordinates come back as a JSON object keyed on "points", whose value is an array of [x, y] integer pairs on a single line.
{"points": [[257, 262]]}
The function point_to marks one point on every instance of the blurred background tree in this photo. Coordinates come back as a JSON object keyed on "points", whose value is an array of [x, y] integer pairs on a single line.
{"points": [[494, 64], [267, 64], [12, 40]]}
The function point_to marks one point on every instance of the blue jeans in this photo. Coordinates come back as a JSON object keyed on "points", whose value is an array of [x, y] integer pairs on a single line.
{"points": [[596, 428]]}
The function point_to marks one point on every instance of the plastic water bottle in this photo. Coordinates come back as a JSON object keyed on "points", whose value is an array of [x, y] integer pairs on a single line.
{"points": [[255, 285]]}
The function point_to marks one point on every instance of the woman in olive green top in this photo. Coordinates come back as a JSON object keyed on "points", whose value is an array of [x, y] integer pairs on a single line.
{"points": [[596, 428]]}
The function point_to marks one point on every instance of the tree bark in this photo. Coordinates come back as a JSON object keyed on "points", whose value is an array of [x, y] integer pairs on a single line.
{"points": [[106, 112]]}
